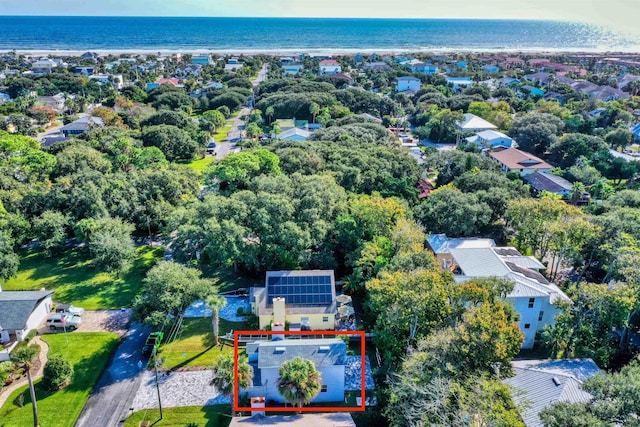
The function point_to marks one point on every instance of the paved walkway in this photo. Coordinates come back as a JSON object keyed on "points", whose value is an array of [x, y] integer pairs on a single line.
{"points": [[36, 370], [190, 388]]}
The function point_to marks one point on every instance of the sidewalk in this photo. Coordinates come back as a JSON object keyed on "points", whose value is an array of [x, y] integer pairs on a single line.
{"points": [[36, 370]]}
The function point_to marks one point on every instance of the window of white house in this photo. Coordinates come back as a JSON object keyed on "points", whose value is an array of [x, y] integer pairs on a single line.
{"points": [[531, 302], [323, 389], [527, 325], [325, 318]]}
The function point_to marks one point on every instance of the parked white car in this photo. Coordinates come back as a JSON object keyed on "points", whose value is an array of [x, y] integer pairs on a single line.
{"points": [[69, 308], [63, 320]]}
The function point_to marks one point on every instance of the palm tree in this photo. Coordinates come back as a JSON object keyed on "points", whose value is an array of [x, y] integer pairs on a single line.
{"points": [[223, 376], [24, 357], [299, 381], [314, 110], [555, 338], [215, 303], [269, 113]]}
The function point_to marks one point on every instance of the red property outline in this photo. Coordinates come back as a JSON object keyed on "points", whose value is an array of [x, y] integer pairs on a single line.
{"points": [[360, 408]]}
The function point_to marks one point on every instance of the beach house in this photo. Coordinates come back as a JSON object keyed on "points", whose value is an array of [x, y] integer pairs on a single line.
{"points": [[407, 83], [305, 299], [521, 162], [328, 67], [328, 355], [533, 296], [489, 139]]}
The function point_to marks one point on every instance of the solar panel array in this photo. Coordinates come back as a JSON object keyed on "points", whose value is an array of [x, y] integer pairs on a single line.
{"points": [[307, 290]]}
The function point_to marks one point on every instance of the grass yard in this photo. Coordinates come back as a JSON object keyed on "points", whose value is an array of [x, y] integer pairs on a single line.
{"points": [[88, 353], [206, 416], [194, 345], [199, 165], [76, 282], [221, 134]]}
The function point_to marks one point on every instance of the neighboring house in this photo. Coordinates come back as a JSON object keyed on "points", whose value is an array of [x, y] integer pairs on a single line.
{"points": [[115, 79], [328, 355], [441, 246], [4, 97], [543, 181], [626, 80], [294, 134], [85, 71], [291, 68], [458, 83], [473, 124], [306, 299], [90, 56], [521, 162], [344, 77], [422, 67], [326, 419], [531, 90], [407, 83], [555, 96], [202, 60], [489, 139], [491, 68], [508, 81], [533, 296], [594, 114], [233, 64], [377, 66], [157, 83], [55, 102], [540, 77], [636, 132], [608, 93], [81, 125], [20, 312], [189, 70], [43, 66], [541, 383], [329, 67]]}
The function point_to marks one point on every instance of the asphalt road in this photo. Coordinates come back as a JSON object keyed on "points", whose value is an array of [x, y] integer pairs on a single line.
{"points": [[111, 399]]}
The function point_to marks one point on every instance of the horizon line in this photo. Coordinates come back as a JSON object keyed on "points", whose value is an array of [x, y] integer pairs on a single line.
{"points": [[406, 18]]}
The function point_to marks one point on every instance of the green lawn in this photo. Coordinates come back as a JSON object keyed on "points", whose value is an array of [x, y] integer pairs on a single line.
{"points": [[75, 281], [225, 279], [194, 345], [199, 165], [221, 134], [207, 416], [88, 352]]}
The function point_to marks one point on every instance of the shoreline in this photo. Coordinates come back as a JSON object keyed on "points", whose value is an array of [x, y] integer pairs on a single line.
{"points": [[323, 51]]}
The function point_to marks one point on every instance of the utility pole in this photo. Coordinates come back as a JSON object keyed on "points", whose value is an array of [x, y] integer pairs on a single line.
{"points": [[155, 363]]}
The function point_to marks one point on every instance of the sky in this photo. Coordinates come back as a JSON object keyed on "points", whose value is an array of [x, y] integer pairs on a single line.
{"points": [[621, 15]]}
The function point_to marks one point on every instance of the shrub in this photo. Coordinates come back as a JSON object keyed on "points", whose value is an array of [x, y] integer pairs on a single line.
{"points": [[31, 335], [57, 372]]}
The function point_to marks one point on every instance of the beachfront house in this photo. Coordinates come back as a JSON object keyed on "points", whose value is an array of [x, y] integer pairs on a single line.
{"points": [[20, 312], [328, 67], [328, 355], [305, 299], [202, 60], [533, 296], [407, 83], [44, 66], [520, 162]]}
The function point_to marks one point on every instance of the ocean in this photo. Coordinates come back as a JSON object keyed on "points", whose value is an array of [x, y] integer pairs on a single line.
{"points": [[30, 33]]}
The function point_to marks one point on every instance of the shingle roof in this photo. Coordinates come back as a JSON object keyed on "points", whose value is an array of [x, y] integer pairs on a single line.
{"points": [[544, 382], [17, 306], [516, 159], [322, 352], [547, 182]]}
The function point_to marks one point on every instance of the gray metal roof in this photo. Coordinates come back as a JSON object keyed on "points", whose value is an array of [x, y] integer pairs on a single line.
{"points": [[441, 244], [547, 182], [322, 352], [544, 382], [17, 306]]}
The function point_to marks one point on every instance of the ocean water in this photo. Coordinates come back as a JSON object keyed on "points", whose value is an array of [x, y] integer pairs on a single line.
{"points": [[303, 34]]}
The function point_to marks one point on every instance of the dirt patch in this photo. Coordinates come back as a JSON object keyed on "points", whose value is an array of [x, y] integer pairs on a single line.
{"points": [[115, 321]]}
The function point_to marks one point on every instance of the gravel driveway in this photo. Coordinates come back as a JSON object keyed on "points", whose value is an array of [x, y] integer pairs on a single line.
{"points": [[192, 388]]}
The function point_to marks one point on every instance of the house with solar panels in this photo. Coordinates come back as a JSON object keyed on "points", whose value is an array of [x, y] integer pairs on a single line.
{"points": [[305, 299], [533, 296]]}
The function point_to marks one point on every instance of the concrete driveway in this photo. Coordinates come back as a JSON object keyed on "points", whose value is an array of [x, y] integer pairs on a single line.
{"points": [[113, 395]]}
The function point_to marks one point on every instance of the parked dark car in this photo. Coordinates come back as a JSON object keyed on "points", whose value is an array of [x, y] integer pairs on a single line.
{"points": [[152, 344]]}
